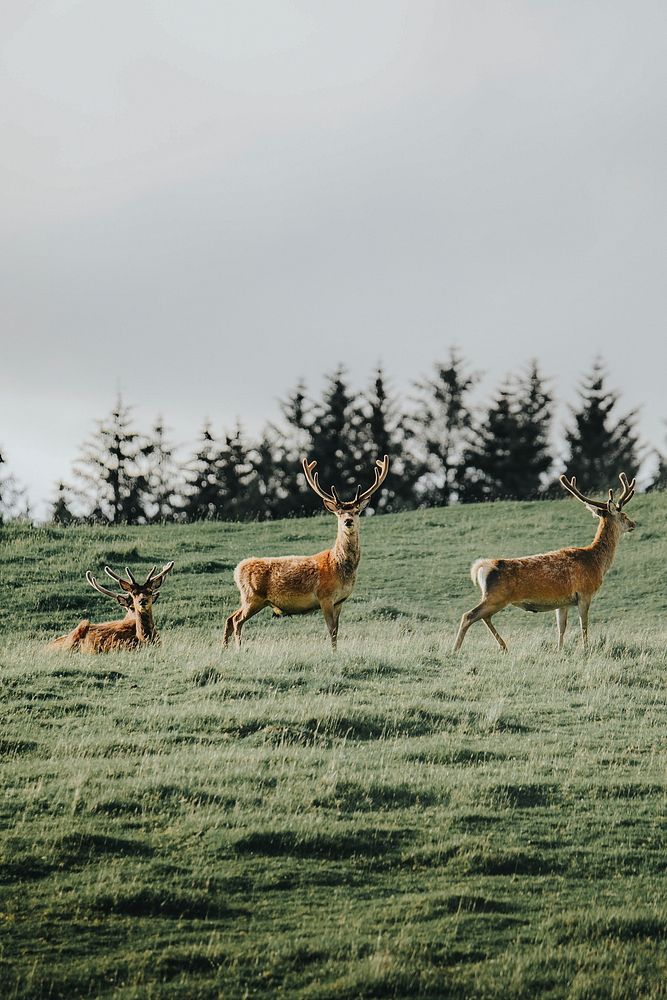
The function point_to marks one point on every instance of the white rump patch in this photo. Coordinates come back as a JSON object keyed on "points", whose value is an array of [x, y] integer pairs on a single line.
{"points": [[479, 572]]}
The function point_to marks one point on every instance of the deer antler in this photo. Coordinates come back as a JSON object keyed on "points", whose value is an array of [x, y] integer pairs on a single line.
{"points": [[127, 585], [103, 590], [152, 581], [571, 486], [381, 470], [628, 491], [157, 581], [359, 497], [314, 482]]}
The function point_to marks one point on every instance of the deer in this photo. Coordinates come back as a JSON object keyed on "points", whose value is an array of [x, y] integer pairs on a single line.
{"points": [[553, 581], [295, 585], [137, 628]]}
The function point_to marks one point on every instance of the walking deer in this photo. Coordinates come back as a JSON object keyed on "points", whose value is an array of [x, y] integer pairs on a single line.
{"points": [[553, 581], [295, 585], [135, 629]]}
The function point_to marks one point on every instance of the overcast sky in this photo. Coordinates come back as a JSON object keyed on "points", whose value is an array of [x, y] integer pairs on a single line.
{"points": [[204, 201]]}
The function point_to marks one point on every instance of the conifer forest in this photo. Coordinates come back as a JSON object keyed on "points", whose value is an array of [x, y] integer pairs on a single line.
{"points": [[444, 449]]}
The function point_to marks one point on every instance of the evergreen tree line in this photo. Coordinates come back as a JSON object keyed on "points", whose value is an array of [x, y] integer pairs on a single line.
{"points": [[442, 448]]}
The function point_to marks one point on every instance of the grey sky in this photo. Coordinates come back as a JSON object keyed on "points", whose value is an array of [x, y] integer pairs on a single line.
{"points": [[203, 201]]}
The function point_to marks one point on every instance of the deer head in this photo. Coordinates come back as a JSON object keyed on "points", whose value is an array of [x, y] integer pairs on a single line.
{"points": [[609, 509], [134, 596], [347, 511]]}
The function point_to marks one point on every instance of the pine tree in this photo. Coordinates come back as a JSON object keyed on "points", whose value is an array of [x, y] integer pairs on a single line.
{"points": [[238, 499], [508, 453], [61, 512], [202, 497], [600, 444], [532, 450], [13, 500], [113, 483], [489, 469], [326, 430], [440, 425], [274, 472], [297, 413], [382, 432], [162, 477], [292, 444], [659, 481], [335, 438]]}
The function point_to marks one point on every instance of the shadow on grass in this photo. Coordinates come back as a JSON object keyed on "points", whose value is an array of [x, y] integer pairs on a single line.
{"points": [[17, 748], [464, 756], [360, 671], [172, 797], [467, 860], [463, 903], [389, 613], [628, 790], [24, 869], [205, 676], [514, 796], [324, 731], [61, 602], [99, 678], [207, 566], [332, 846], [79, 848], [620, 927], [512, 862], [149, 903], [470, 822], [351, 797], [124, 555]]}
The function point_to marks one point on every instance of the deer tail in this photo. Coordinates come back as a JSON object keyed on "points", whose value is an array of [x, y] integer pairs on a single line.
{"points": [[479, 572]]}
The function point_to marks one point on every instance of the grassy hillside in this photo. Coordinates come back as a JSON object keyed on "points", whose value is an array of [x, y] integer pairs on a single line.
{"points": [[390, 821]]}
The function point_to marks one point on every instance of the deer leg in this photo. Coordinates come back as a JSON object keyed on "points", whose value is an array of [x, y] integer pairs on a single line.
{"points": [[561, 621], [331, 615], [479, 613], [584, 604], [241, 617], [499, 639], [337, 610], [229, 628]]}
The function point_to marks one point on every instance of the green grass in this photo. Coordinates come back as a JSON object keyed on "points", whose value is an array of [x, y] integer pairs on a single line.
{"points": [[393, 821]]}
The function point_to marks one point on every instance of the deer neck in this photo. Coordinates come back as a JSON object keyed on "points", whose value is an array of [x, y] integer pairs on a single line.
{"points": [[604, 544], [146, 631], [347, 550]]}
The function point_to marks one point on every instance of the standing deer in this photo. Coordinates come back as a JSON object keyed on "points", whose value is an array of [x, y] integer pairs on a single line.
{"points": [[135, 629], [295, 585], [553, 581]]}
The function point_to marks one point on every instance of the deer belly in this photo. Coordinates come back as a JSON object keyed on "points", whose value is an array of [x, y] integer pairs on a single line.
{"points": [[536, 606], [301, 604]]}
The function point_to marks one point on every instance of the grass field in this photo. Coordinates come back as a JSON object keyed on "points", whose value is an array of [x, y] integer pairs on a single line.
{"points": [[392, 821]]}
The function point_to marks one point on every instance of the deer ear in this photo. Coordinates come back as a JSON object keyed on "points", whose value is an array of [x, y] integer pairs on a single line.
{"points": [[363, 505], [330, 506]]}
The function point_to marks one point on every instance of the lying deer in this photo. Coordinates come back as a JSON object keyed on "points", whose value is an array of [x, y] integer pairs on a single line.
{"points": [[135, 629], [553, 581], [295, 585]]}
